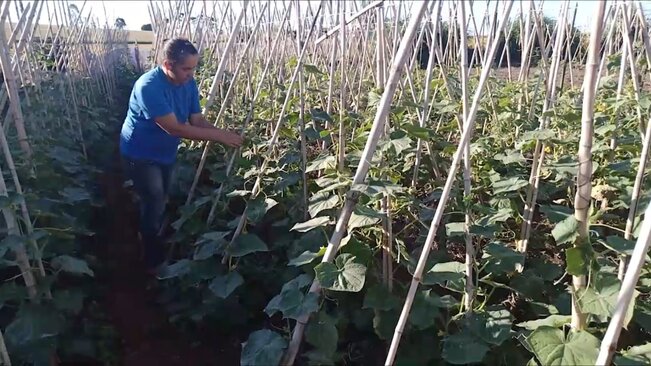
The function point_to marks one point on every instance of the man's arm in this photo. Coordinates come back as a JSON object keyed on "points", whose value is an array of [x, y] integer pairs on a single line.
{"points": [[170, 124], [198, 120]]}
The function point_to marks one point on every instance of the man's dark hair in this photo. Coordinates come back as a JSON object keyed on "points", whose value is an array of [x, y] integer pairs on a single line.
{"points": [[175, 50]]}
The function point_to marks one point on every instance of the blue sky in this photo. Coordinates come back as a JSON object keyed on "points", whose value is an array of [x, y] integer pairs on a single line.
{"points": [[135, 13]]}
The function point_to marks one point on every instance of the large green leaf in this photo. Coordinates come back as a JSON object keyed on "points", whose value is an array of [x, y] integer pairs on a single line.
{"points": [[509, 185], [263, 348], [322, 201], [492, 327], [442, 272], [425, 309], [292, 301], [553, 348], [223, 285], [32, 324], [325, 162], [555, 321], [363, 216], [176, 269], [307, 257], [257, 208], [322, 333], [566, 230], [343, 275], [600, 298], [500, 258], [463, 348], [72, 265], [311, 224], [247, 244], [210, 244], [635, 356]]}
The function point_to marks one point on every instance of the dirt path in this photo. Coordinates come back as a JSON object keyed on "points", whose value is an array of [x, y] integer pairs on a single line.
{"points": [[147, 337]]}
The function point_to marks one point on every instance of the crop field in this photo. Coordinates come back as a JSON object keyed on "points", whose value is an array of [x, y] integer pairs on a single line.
{"points": [[406, 195]]}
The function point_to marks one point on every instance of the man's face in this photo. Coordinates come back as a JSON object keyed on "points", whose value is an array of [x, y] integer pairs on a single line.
{"points": [[182, 72]]}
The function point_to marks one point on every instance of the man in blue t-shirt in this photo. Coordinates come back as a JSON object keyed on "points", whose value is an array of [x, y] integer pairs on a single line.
{"points": [[163, 109]]}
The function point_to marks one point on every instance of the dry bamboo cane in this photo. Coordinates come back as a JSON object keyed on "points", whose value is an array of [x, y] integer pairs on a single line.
{"points": [[467, 188], [584, 176], [257, 187], [465, 138], [362, 169], [609, 343]]}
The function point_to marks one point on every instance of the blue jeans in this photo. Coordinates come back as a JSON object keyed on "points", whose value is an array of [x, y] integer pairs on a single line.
{"points": [[151, 181]]}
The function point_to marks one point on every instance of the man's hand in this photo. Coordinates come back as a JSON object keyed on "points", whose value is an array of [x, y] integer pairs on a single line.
{"points": [[230, 138]]}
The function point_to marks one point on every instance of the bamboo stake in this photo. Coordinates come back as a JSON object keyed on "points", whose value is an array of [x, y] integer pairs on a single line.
{"points": [[584, 176], [638, 258]]}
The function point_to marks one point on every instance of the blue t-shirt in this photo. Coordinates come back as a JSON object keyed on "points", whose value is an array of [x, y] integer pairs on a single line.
{"points": [[153, 95]]}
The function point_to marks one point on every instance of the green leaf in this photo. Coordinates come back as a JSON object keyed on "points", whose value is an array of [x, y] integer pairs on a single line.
{"points": [[500, 258], [325, 162], [311, 69], [363, 216], [463, 348], [509, 185], [177, 269], [553, 348], [264, 348], [322, 333], [556, 213], [555, 321], [311, 224], [210, 244], [492, 327], [73, 194], [442, 272], [292, 302], [619, 244], [566, 230], [222, 286], [343, 275], [378, 297], [306, 257], [634, 356], [600, 298], [578, 260], [322, 201], [425, 310], [72, 265], [257, 208], [417, 131], [319, 115], [247, 244], [33, 323], [455, 229]]}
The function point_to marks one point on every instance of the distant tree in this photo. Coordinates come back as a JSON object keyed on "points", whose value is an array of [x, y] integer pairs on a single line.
{"points": [[146, 27], [73, 13], [120, 23]]}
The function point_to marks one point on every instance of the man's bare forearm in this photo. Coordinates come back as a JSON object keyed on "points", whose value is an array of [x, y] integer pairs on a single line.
{"points": [[202, 122]]}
